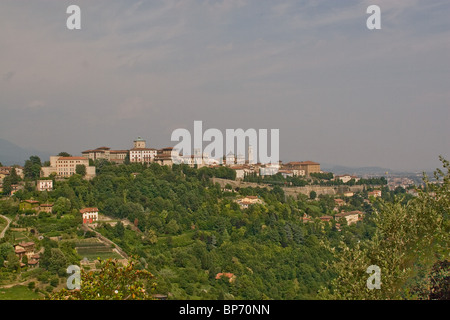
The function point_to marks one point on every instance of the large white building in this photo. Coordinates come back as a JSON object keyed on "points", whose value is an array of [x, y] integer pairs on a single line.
{"points": [[65, 167], [140, 153], [346, 178]]}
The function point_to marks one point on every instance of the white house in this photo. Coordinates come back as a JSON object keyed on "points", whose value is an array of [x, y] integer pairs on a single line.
{"points": [[140, 153], [44, 185], [90, 215]]}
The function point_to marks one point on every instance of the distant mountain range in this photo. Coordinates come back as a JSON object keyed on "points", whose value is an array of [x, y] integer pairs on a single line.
{"points": [[11, 153], [359, 171]]}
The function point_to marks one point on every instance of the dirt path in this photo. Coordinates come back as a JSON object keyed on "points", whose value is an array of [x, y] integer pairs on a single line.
{"points": [[2, 234], [7, 286]]}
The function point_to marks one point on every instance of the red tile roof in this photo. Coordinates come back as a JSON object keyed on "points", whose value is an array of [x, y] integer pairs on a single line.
{"points": [[72, 158], [84, 210]]}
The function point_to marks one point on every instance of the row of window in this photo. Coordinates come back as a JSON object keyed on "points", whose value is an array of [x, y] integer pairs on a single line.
{"points": [[69, 161]]}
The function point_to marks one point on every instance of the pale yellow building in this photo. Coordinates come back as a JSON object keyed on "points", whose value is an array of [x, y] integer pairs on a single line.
{"points": [[66, 166], [301, 168], [351, 217]]}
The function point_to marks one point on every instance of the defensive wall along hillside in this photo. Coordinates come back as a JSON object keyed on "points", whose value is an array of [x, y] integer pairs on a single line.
{"points": [[292, 191]]}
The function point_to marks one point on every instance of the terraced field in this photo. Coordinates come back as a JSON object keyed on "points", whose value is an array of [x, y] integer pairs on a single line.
{"points": [[93, 249]]}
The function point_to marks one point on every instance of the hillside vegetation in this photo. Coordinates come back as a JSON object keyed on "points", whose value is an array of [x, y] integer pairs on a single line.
{"points": [[200, 244]]}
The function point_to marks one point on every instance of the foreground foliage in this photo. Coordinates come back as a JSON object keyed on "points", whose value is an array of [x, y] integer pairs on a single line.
{"points": [[410, 246], [111, 281]]}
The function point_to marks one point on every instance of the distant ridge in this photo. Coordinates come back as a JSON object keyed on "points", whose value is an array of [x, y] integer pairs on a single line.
{"points": [[356, 170], [11, 153]]}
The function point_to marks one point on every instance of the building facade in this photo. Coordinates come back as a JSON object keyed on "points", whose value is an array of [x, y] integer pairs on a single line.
{"points": [[140, 153], [44, 185], [46, 207], [90, 215], [346, 178], [65, 167], [351, 217], [116, 156], [301, 168]]}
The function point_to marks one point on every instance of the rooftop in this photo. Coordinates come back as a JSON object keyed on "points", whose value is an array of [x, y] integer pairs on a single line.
{"points": [[84, 210], [72, 158]]}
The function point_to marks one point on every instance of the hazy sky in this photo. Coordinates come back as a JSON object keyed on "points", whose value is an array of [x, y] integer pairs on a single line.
{"points": [[338, 92]]}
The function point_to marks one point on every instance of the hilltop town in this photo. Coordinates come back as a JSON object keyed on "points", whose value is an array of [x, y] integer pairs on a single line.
{"points": [[65, 165], [107, 203]]}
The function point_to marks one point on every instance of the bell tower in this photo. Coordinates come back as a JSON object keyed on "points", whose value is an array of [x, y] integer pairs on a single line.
{"points": [[139, 143]]}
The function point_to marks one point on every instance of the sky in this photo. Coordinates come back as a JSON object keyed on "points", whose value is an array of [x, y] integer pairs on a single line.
{"points": [[338, 92]]}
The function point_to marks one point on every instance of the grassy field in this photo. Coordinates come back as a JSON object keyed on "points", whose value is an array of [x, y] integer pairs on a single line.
{"points": [[18, 293], [19, 236]]}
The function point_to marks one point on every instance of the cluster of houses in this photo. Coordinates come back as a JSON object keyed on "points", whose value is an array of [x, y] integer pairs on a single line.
{"points": [[27, 249], [41, 185], [6, 171], [22, 249], [66, 166], [351, 217], [89, 215], [140, 153]]}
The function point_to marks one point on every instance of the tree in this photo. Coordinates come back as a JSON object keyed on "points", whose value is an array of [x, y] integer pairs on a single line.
{"points": [[126, 161], [7, 185], [14, 176], [150, 236], [57, 262], [32, 168], [13, 261], [119, 229], [5, 249], [112, 281], [312, 195], [62, 205], [80, 169], [172, 227], [64, 154]]}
